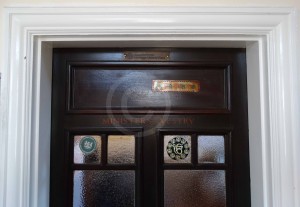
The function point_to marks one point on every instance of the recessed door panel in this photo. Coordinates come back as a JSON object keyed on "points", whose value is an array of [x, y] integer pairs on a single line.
{"points": [[149, 87]]}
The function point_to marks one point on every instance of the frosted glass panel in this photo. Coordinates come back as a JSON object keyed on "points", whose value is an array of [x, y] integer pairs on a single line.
{"points": [[177, 149], [186, 188], [211, 149], [87, 149], [104, 188], [121, 149]]}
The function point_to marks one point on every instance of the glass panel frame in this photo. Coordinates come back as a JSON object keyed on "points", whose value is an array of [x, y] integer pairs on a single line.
{"points": [[93, 156], [195, 165], [136, 167], [211, 149], [84, 187], [112, 147], [206, 187]]}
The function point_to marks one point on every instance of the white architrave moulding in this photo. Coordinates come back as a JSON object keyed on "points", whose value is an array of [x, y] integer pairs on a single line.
{"points": [[273, 85]]}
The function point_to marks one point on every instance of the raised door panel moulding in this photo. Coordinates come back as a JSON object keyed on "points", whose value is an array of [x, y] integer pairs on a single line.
{"points": [[270, 34]]}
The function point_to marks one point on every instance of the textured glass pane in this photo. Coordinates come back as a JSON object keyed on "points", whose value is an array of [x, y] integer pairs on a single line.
{"points": [[104, 188], [186, 188], [121, 149], [87, 149], [177, 149], [211, 149]]}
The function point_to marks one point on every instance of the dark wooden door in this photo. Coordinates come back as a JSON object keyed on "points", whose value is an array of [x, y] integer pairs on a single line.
{"points": [[149, 127]]}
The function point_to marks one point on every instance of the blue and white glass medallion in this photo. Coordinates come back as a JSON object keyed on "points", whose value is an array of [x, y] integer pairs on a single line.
{"points": [[88, 145]]}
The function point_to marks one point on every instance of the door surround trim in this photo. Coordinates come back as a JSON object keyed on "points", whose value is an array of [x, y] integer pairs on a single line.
{"points": [[273, 78]]}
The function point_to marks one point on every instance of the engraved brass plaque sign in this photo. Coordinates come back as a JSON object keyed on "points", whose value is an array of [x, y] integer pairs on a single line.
{"points": [[176, 86], [146, 56]]}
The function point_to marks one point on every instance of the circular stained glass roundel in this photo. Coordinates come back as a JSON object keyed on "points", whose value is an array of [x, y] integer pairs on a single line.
{"points": [[88, 145], [178, 148]]}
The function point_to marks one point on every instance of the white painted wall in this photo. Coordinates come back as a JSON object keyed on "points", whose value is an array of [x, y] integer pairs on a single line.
{"points": [[278, 85], [81, 3]]}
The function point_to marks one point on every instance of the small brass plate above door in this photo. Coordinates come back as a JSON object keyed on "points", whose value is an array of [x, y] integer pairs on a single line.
{"points": [[147, 56]]}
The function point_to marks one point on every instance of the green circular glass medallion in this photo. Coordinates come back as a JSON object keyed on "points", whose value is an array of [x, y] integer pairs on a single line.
{"points": [[88, 145], [178, 148]]}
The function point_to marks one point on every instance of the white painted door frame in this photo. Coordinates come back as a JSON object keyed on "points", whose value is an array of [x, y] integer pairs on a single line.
{"points": [[273, 85]]}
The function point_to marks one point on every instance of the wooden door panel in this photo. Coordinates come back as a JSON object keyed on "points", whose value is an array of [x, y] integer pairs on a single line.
{"points": [[120, 87], [100, 93]]}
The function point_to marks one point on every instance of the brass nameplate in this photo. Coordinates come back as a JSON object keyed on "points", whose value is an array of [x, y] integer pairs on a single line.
{"points": [[146, 56], [176, 86]]}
